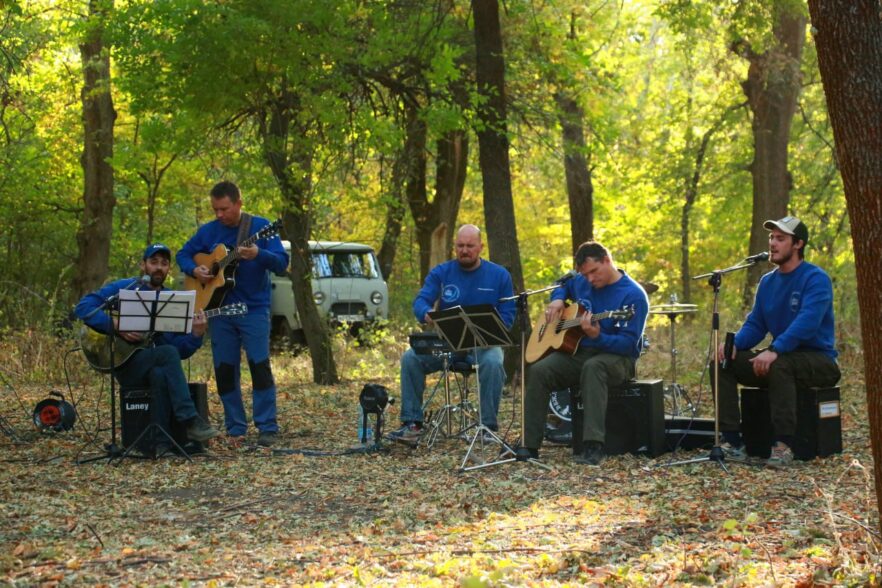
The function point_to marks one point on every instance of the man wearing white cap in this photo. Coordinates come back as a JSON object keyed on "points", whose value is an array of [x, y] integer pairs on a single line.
{"points": [[794, 304]]}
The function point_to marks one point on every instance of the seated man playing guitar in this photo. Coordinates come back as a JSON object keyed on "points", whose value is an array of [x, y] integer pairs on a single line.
{"points": [[605, 356], [156, 361]]}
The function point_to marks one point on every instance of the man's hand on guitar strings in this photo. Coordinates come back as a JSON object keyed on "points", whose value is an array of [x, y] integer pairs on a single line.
{"points": [[248, 253]]}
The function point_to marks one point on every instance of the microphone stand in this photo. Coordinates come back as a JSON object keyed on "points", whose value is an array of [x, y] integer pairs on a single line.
{"points": [[715, 280], [521, 451], [111, 450]]}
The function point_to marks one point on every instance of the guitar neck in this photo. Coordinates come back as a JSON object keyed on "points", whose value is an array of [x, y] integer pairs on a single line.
{"points": [[233, 254], [575, 322]]}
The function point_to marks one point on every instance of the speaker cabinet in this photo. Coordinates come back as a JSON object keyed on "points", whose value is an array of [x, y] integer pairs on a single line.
{"points": [[634, 419], [137, 411], [818, 422], [688, 433]]}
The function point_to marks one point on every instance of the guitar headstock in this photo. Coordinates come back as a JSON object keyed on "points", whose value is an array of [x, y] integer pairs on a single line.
{"points": [[270, 230], [237, 309], [624, 314]]}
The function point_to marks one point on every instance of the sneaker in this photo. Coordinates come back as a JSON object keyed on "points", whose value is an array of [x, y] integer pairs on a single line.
{"points": [[782, 456], [407, 433], [732, 453], [592, 455], [267, 438], [199, 430]]}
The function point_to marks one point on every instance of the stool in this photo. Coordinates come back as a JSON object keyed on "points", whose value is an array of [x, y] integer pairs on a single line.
{"points": [[452, 420], [818, 422], [635, 419]]}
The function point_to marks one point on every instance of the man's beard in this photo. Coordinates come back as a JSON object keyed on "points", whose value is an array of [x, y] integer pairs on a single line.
{"points": [[157, 279], [784, 260], [466, 264]]}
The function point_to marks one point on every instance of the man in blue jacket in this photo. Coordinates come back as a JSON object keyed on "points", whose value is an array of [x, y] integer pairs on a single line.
{"points": [[158, 363], [465, 281], [229, 334], [794, 304], [606, 356]]}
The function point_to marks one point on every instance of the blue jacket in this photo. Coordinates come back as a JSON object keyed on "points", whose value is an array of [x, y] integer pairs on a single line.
{"points": [[796, 308], [252, 276], [616, 336], [450, 286], [186, 343]]}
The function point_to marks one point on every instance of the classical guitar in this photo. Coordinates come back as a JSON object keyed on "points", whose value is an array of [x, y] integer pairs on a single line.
{"points": [[222, 262], [565, 334], [96, 346]]}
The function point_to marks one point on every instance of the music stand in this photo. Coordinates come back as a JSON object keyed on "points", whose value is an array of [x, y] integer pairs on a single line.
{"points": [[149, 311], [468, 329]]}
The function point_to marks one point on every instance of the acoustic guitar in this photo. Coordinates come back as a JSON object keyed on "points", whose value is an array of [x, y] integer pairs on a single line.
{"points": [[96, 346], [223, 263], [565, 334]]}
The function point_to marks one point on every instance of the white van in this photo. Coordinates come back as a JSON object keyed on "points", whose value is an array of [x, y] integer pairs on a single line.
{"points": [[347, 286]]}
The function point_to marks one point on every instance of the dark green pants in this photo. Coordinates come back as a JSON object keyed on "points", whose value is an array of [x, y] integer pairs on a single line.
{"points": [[591, 371], [791, 371]]}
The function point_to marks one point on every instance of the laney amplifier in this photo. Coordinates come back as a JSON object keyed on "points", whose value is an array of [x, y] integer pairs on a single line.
{"points": [[818, 422], [634, 419], [137, 412]]}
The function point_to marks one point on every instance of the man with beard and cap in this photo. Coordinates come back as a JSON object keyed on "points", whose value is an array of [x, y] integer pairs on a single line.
{"points": [[158, 364], [794, 304], [465, 281]]}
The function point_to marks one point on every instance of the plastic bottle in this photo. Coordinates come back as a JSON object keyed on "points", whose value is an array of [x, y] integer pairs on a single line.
{"points": [[367, 434]]}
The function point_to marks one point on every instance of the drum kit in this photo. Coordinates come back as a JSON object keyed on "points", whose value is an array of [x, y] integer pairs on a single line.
{"points": [[676, 399]]}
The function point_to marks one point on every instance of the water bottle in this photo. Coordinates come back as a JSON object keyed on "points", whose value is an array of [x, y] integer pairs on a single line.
{"points": [[365, 431]]}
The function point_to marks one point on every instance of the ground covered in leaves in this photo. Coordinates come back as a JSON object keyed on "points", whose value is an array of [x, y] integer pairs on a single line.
{"points": [[301, 515]]}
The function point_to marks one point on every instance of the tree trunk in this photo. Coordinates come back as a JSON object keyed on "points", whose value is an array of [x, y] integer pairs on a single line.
{"points": [[848, 36], [502, 234], [96, 224], [152, 181], [435, 221], [395, 209], [450, 175], [580, 190], [293, 175], [772, 89]]}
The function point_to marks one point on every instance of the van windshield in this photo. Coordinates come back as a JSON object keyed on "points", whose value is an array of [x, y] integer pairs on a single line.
{"points": [[345, 264]]}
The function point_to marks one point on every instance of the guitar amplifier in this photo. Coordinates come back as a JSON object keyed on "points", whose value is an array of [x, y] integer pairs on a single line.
{"points": [[688, 433], [635, 420], [137, 410], [818, 422]]}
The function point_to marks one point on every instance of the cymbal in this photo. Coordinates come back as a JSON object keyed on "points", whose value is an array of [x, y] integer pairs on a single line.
{"points": [[673, 308], [649, 287]]}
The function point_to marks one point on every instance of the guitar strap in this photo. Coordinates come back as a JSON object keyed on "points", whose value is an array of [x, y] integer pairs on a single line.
{"points": [[244, 228]]}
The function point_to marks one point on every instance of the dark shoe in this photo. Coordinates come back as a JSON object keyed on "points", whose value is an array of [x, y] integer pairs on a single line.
{"points": [[592, 454], [267, 438], [199, 430], [733, 453], [407, 433], [782, 457]]}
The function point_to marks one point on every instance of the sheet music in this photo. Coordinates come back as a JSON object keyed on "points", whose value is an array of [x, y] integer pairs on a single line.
{"points": [[145, 311]]}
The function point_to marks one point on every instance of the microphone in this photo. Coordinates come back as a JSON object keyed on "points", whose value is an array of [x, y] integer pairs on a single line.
{"points": [[566, 277], [728, 346], [764, 256]]}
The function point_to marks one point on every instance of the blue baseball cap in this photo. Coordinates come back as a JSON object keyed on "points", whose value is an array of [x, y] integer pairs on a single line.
{"points": [[156, 248]]}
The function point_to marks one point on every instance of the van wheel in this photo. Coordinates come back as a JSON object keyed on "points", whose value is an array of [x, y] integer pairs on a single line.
{"points": [[284, 337]]}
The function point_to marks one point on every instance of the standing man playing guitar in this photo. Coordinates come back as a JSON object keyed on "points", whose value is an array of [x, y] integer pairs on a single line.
{"points": [[606, 355], [158, 364], [252, 286]]}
